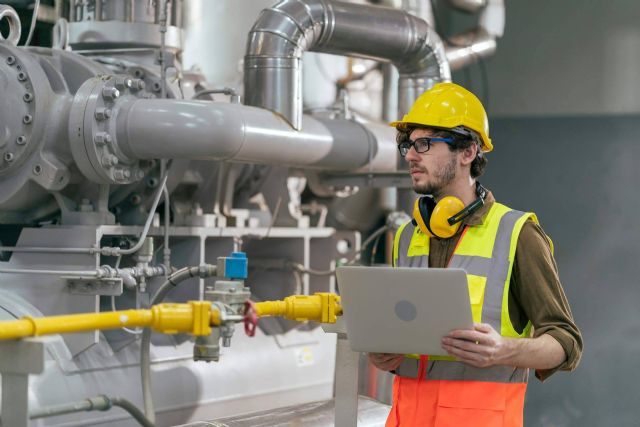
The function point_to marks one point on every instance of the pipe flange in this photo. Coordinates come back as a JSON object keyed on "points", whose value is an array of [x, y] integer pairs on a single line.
{"points": [[93, 132], [18, 108], [149, 84]]}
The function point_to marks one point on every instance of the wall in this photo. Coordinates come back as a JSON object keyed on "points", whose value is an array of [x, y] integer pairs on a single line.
{"points": [[564, 103], [567, 57], [579, 174]]}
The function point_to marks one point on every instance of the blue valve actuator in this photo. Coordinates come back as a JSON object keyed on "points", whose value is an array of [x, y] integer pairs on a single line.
{"points": [[233, 266]]}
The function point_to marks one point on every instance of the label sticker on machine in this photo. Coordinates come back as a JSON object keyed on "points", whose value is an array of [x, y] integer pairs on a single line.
{"points": [[304, 356]]}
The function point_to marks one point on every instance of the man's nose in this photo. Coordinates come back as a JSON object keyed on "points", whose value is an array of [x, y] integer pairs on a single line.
{"points": [[412, 155]]}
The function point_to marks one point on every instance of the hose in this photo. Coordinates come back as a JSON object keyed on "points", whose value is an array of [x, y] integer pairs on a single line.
{"points": [[302, 269], [133, 410], [34, 18], [172, 281], [147, 224]]}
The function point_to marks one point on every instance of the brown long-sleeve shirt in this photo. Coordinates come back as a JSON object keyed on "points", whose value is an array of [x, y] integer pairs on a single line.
{"points": [[535, 292]]}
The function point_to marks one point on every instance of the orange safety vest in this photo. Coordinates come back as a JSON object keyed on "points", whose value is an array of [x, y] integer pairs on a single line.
{"points": [[439, 391]]}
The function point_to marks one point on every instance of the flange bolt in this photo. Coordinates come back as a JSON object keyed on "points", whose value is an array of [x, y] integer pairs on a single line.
{"points": [[110, 93]]}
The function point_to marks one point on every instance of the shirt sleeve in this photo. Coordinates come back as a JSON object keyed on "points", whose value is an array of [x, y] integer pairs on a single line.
{"points": [[538, 292]]}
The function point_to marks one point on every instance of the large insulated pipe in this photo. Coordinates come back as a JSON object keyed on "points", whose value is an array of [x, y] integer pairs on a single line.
{"points": [[285, 31], [112, 148], [157, 128]]}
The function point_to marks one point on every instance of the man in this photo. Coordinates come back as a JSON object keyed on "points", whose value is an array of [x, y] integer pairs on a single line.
{"points": [[522, 319]]}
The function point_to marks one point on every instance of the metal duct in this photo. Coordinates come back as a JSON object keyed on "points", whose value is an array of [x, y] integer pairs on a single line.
{"points": [[469, 5], [284, 32], [466, 48], [232, 132]]}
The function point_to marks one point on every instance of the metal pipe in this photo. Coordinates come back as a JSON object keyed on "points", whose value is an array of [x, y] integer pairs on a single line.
{"points": [[166, 252], [63, 409], [51, 249], [128, 10], [97, 11], [58, 6], [231, 92], [231, 132], [164, 4], [469, 5], [97, 403], [145, 343], [421, 9], [84, 273], [147, 224], [468, 47], [285, 31]]}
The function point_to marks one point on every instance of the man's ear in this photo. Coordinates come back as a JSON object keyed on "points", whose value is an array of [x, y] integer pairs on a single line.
{"points": [[469, 154]]}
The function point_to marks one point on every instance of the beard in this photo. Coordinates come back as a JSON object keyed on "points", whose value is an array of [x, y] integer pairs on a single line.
{"points": [[440, 179]]}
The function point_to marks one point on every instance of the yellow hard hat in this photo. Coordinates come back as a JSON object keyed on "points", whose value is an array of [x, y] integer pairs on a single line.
{"points": [[448, 105]]}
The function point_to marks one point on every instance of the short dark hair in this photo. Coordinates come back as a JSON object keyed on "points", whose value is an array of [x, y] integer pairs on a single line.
{"points": [[460, 142]]}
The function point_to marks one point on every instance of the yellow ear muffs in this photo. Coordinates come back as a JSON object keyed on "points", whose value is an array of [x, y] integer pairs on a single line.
{"points": [[446, 208], [432, 218]]}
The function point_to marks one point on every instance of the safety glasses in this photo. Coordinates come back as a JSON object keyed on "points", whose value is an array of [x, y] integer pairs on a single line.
{"points": [[421, 145]]}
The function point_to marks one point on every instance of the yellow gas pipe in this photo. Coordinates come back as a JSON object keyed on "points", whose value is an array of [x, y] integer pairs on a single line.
{"points": [[195, 317]]}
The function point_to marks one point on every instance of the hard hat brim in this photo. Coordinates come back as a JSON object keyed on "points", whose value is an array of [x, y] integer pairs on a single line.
{"points": [[487, 146]]}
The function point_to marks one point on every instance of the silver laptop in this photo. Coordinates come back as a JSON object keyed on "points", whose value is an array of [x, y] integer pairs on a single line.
{"points": [[403, 310]]}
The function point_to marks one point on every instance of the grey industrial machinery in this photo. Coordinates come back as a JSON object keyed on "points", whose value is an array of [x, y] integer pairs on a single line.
{"points": [[105, 127]]}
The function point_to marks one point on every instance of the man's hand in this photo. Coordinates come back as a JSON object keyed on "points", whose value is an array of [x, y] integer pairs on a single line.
{"points": [[480, 347], [483, 347], [386, 361]]}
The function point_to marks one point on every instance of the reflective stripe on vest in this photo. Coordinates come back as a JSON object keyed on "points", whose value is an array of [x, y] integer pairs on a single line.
{"points": [[487, 253]]}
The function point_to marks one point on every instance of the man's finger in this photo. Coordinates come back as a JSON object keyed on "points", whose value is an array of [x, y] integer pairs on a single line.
{"points": [[483, 327], [464, 356], [470, 346], [473, 336]]}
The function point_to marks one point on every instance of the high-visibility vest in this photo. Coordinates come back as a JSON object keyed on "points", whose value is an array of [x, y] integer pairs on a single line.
{"points": [[439, 391]]}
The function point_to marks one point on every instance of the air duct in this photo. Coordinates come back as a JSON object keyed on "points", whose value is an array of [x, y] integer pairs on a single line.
{"points": [[285, 31], [466, 48]]}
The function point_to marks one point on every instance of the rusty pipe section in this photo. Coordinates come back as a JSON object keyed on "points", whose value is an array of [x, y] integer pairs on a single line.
{"points": [[285, 31]]}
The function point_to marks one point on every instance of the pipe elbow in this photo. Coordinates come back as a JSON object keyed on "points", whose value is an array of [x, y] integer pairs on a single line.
{"points": [[287, 29], [427, 56]]}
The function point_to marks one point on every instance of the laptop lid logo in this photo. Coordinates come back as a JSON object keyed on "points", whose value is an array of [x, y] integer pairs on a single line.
{"points": [[406, 311]]}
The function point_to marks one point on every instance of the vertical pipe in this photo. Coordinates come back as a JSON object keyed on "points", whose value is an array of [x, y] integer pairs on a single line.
{"points": [[58, 9], [163, 6], [176, 13], [389, 92], [128, 10], [97, 10]]}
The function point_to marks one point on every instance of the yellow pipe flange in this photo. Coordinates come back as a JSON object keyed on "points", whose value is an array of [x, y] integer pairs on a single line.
{"points": [[321, 307]]}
